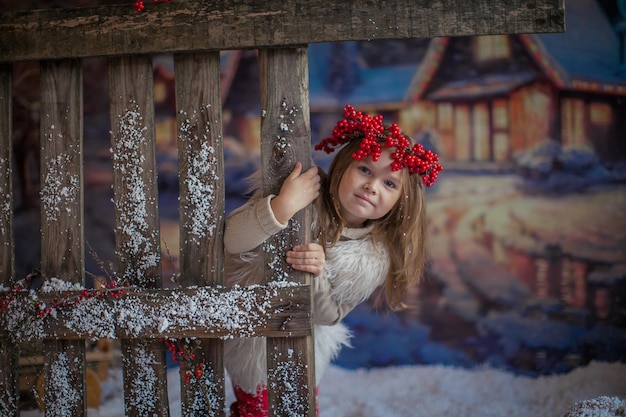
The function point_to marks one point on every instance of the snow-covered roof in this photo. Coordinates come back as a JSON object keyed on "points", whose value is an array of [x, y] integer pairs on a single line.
{"points": [[587, 54]]}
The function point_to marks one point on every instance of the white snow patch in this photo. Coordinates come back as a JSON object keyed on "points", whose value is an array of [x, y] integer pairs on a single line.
{"points": [[424, 391], [201, 177], [131, 206]]}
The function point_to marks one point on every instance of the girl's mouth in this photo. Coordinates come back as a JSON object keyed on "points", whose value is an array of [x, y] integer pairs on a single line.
{"points": [[362, 197]]}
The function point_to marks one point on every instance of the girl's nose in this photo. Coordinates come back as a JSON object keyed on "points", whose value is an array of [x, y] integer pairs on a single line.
{"points": [[369, 188]]}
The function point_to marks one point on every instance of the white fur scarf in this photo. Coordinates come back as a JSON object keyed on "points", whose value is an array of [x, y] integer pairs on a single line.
{"points": [[356, 268]]}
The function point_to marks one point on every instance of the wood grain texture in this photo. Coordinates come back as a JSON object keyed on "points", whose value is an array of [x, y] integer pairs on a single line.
{"points": [[260, 311], [137, 237], [62, 170], [6, 176], [134, 177], [201, 208], [62, 247], [9, 391], [285, 140], [201, 167], [220, 25], [9, 387]]}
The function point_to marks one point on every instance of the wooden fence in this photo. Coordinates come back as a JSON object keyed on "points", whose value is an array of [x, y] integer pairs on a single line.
{"points": [[200, 310]]}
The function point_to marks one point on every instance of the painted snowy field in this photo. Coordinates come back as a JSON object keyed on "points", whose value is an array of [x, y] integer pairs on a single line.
{"points": [[416, 391]]}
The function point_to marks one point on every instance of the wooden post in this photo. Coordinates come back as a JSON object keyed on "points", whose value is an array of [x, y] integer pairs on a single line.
{"points": [[137, 222], [9, 393], [6, 174], [62, 248], [285, 140], [202, 203]]}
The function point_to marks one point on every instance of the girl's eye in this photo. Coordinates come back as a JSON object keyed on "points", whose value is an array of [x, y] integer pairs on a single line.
{"points": [[364, 169], [390, 184]]}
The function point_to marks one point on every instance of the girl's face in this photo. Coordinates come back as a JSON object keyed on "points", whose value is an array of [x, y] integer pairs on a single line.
{"points": [[368, 190]]}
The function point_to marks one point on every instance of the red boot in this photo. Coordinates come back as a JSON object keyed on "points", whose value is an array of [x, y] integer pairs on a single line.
{"points": [[256, 405], [249, 405]]}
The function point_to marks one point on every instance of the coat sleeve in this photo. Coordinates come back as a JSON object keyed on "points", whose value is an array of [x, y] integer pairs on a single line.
{"points": [[328, 310], [250, 225], [354, 269]]}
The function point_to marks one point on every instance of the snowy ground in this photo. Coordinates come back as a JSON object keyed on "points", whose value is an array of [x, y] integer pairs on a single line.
{"points": [[415, 391]]}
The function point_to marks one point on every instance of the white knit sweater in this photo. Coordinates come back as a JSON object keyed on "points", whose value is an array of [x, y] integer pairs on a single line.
{"points": [[355, 266]]}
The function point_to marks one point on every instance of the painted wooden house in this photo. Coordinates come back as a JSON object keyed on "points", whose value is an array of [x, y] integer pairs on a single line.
{"points": [[484, 98], [476, 99]]}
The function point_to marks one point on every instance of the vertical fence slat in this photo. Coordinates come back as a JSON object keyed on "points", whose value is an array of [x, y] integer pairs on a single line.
{"points": [[137, 222], [201, 168], [6, 175], [9, 393], [62, 250], [286, 139]]}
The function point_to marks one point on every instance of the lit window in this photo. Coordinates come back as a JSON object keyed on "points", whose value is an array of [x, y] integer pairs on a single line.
{"points": [[600, 114], [492, 47], [445, 117], [500, 114]]}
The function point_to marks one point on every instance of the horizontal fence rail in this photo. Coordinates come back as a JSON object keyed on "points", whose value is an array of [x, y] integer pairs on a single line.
{"points": [[275, 310], [185, 26]]}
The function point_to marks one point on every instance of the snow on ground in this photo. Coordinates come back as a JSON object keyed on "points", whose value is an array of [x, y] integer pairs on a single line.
{"points": [[416, 391]]}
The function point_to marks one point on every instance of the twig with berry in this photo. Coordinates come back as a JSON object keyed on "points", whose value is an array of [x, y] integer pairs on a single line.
{"points": [[139, 4], [182, 352], [75, 294]]}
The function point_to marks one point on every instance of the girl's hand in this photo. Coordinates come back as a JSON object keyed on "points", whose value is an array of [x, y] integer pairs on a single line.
{"points": [[307, 258], [297, 192]]}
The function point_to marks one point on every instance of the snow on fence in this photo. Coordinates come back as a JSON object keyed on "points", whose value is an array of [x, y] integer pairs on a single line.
{"points": [[201, 312]]}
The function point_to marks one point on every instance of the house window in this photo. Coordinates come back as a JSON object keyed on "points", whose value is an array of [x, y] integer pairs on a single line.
{"points": [[500, 121], [500, 114], [574, 132], [462, 133], [445, 116], [501, 148], [600, 114], [491, 47], [542, 277], [567, 281], [480, 132]]}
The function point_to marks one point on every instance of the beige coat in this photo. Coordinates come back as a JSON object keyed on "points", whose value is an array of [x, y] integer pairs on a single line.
{"points": [[355, 266]]}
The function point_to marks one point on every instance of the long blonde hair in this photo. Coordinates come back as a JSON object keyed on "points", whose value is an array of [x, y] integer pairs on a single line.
{"points": [[402, 230]]}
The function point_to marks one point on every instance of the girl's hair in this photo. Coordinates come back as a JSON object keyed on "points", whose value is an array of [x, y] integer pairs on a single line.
{"points": [[402, 230]]}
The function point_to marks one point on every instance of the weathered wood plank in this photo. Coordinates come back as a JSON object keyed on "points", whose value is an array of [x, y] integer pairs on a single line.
{"points": [[8, 354], [220, 25], [201, 167], [9, 387], [136, 210], [134, 171], [62, 170], [202, 208], [62, 248], [6, 175], [285, 140], [200, 312]]}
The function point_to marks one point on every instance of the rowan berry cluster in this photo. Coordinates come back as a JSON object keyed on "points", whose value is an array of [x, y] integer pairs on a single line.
{"points": [[139, 4], [182, 352], [374, 135], [72, 298]]}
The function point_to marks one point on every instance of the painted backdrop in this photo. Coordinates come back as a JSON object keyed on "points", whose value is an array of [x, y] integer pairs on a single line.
{"points": [[527, 221]]}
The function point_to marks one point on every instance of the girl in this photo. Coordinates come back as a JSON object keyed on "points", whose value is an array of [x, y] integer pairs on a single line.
{"points": [[368, 229]]}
